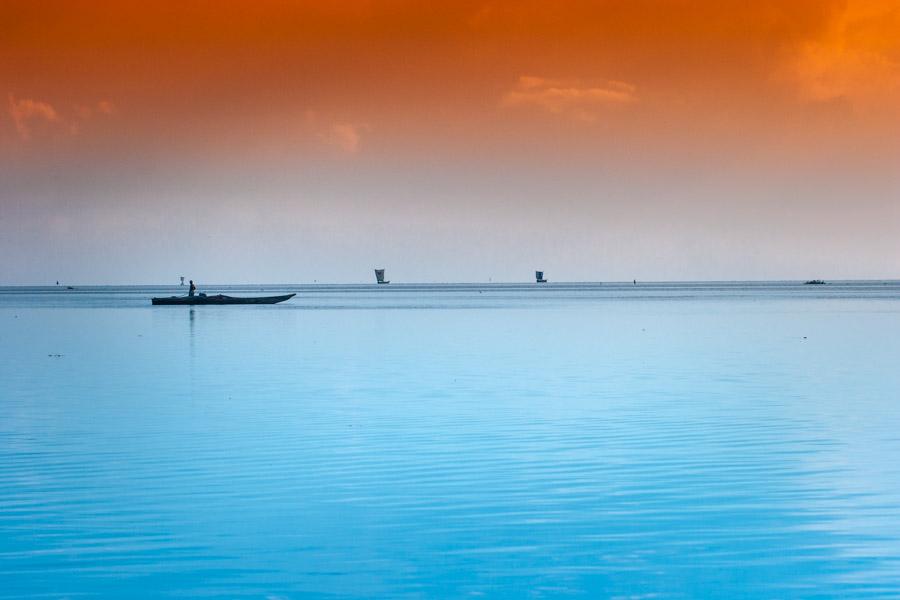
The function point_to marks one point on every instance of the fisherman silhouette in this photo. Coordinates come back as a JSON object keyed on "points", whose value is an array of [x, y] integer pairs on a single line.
{"points": [[192, 289]]}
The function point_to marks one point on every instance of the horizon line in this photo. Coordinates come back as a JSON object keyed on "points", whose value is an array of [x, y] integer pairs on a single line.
{"points": [[64, 286]]}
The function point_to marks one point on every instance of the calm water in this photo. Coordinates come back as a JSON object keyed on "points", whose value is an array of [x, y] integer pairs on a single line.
{"points": [[673, 441]]}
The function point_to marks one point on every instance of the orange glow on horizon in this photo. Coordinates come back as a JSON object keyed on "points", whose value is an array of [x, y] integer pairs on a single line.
{"points": [[683, 139], [361, 78]]}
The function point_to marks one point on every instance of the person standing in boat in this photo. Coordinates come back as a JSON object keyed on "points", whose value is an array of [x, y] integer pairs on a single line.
{"points": [[192, 289]]}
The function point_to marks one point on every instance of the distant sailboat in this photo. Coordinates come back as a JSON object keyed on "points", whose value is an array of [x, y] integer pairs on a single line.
{"points": [[539, 276], [379, 276]]}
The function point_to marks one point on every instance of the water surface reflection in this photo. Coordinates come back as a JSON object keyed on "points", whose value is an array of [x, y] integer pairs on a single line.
{"points": [[709, 446]]}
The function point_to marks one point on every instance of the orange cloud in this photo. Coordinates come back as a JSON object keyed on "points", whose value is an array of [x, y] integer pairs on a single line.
{"points": [[345, 137], [106, 107], [342, 135], [856, 58], [28, 114], [558, 97], [25, 112]]}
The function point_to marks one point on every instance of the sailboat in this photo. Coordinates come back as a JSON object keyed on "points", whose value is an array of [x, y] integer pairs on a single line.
{"points": [[379, 276], [539, 277]]}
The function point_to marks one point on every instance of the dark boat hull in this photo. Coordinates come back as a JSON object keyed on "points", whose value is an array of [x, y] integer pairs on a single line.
{"points": [[218, 300]]}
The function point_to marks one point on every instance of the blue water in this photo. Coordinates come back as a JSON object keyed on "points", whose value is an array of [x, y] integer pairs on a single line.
{"points": [[503, 441]]}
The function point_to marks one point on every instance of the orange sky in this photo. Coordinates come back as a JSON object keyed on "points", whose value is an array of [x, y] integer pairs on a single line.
{"points": [[662, 91]]}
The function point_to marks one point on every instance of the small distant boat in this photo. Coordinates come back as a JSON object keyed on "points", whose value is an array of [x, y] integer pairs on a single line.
{"points": [[219, 299], [814, 282], [379, 276], [539, 277]]}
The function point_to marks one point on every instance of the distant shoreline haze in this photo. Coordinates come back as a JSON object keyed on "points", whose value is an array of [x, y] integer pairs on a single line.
{"points": [[395, 284], [399, 285]]}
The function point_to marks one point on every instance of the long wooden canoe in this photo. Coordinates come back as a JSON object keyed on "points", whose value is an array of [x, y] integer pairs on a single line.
{"points": [[220, 299]]}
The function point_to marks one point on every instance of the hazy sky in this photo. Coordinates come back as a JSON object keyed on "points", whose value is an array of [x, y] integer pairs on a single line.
{"points": [[267, 141]]}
